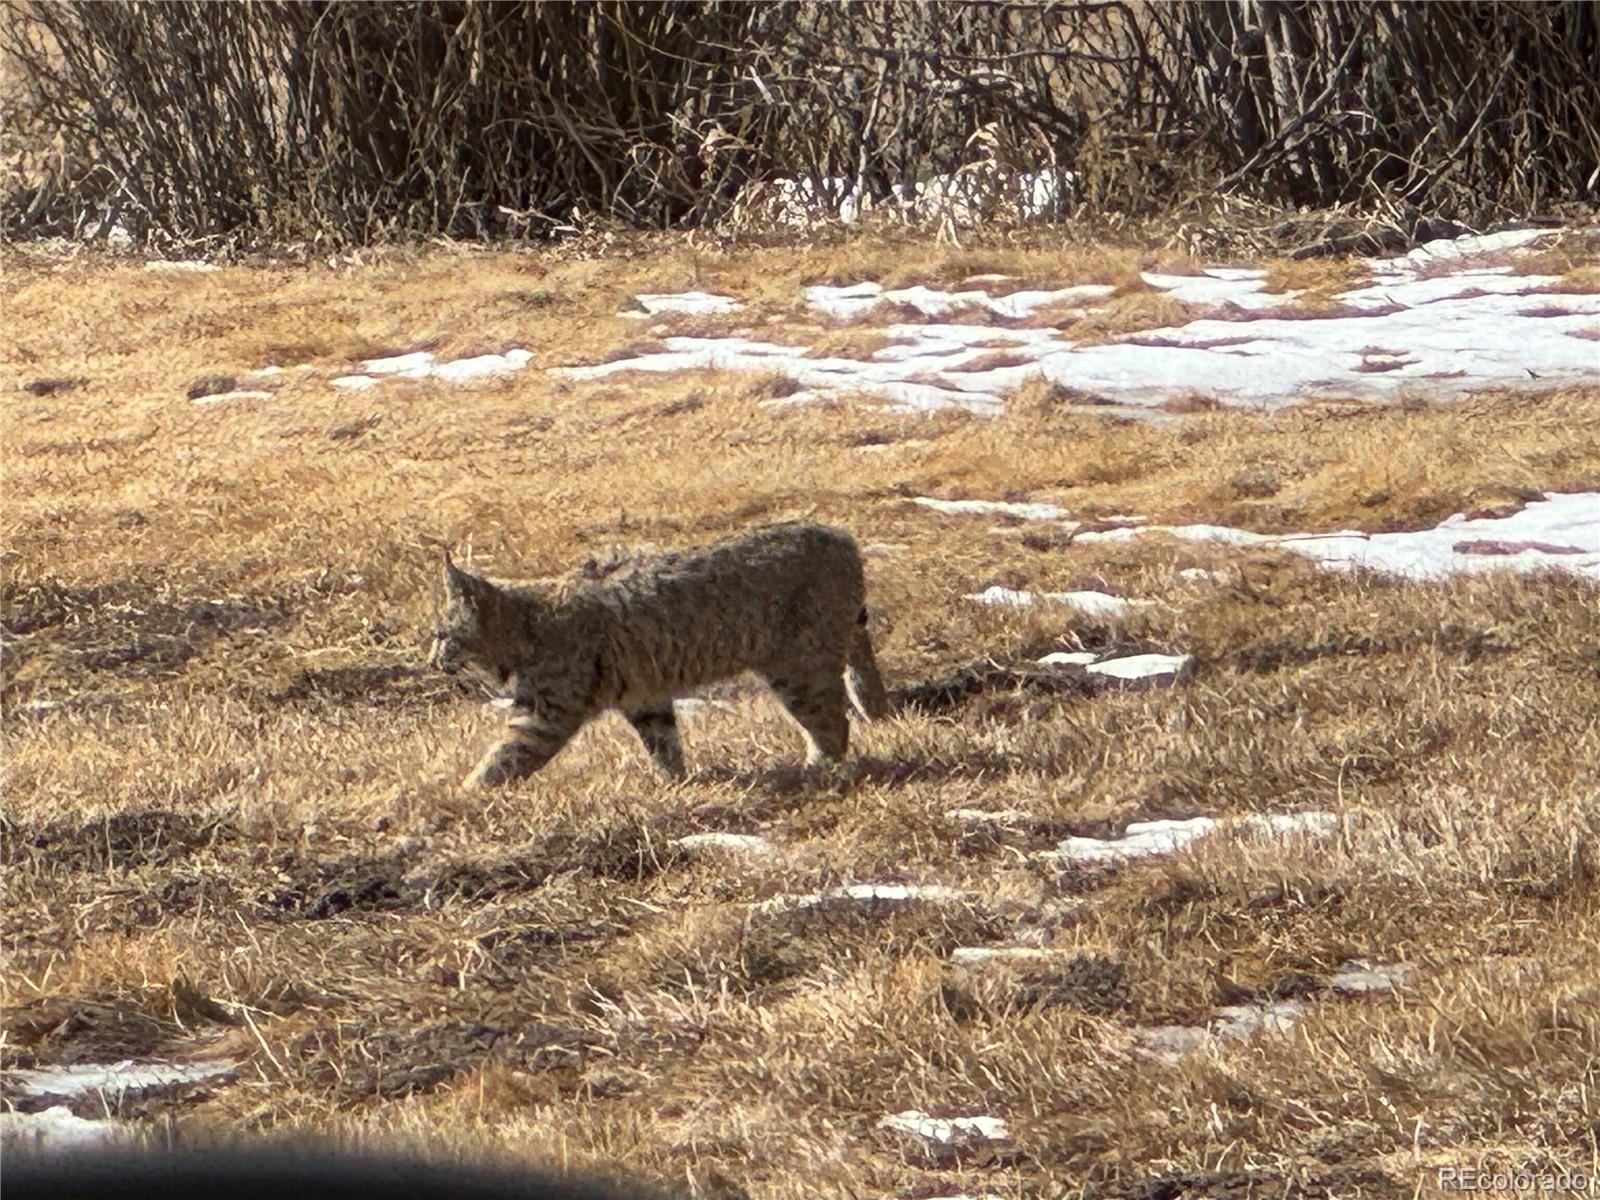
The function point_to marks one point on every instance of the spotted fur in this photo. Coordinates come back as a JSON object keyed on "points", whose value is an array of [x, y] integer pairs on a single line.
{"points": [[786, 602]]}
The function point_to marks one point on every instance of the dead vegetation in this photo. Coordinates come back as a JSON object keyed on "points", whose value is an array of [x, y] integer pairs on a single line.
{"points": [[232, 823], [184, 123]]}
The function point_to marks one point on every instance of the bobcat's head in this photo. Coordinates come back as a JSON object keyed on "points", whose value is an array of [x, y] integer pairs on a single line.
{"points": [[466, 635]]}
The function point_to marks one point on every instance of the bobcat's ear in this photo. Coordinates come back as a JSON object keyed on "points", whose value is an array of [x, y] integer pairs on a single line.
{"points": [[456, 581]]}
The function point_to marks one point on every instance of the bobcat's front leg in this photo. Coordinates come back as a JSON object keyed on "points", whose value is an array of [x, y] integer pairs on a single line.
{"points": [[530, 742]]}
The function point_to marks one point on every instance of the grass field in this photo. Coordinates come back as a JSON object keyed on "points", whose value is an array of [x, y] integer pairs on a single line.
{"points": [[233, 823]]}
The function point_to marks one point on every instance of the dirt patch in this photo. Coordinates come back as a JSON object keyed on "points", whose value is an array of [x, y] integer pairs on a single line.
{"points": [[211, 385], [51, 387]]}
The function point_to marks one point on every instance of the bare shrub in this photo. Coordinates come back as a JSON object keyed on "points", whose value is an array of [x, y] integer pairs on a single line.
{"points": [[362, 122]]}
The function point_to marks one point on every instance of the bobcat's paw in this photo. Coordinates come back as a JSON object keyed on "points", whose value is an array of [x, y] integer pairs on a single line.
{"points": [[508, 762]]}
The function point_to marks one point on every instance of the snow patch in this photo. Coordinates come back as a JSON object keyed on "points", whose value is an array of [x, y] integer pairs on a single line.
{"points": [[1457, 329], [482, 366], [744, 845], [949, 1136], [975, 192], [1027, 511], [1068, 658], [987, 816], [1560, 531], [1091, 604], [1359, 977], [1149, 839], [225, 397], [1237, 1022], [57, 1131], [422, 364], [865, 896], [118, 1077], [185, 266], [979, 956], [655, 304], [1143, 668]]}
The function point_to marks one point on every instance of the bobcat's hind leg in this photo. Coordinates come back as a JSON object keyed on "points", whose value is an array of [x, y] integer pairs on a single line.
{"points": [[657, 727], [818, 706], [529, 744]]}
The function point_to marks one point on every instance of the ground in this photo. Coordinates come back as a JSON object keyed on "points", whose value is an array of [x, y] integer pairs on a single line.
{"points": [[233, 826]]}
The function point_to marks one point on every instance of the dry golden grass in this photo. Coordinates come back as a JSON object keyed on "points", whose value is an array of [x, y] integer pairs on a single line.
{"points": [[850, 342], [232, 819], [1319, 278], [1131, 311]]}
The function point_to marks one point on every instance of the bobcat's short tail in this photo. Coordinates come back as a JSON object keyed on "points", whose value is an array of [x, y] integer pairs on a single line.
{"points": [[862, 680]]}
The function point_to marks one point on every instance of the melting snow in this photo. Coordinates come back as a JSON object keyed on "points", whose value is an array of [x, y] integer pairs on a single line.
{"points": [[1233, 1023], [1360, 977], [1560, 531], [423, 365], [964, 196], [856, 300], [1092, 604], [949, 1132], [864, 895], [1028, 512], [740, 844], [188, 266], [125, 1076], [57, 1130], [224, 397], [408, 366], [977, 956], [1068, 658], [655, 304], [1142, 839], [1458, 328], [987, 816], [1146, 839], [482, 366], [1238, 287], [1130, 669], [1142, 667]]}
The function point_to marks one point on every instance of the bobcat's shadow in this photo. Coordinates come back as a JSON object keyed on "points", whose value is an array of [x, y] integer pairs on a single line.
{"points": [[990, 688], [984, 677], [794, 779]]}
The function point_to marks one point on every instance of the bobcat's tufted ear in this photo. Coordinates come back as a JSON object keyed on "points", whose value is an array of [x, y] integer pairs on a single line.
{"points": [[456, 581]]}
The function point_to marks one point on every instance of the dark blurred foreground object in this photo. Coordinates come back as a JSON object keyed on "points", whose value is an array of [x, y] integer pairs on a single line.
{"points": [[288, 1173]]}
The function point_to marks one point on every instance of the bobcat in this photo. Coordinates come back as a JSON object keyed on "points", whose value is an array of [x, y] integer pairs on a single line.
{"points": [[784, 601]]}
